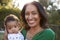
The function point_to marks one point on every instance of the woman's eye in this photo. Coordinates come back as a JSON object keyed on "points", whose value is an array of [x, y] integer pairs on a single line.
{"points": [[33, 12], [26, 13], [15, 26]]}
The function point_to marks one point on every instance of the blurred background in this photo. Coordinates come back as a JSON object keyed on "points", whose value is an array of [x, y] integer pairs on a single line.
{"points": [[52, 8]]}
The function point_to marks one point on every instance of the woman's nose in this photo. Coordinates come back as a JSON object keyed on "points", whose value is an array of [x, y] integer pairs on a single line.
{"points": [[30, 16]]}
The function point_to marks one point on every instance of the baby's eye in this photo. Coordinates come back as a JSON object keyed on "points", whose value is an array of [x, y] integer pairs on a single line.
{"points": [[9, 28]]}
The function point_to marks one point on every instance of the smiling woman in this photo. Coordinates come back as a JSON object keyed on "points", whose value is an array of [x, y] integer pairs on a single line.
{"points": [[35, 20], [20, 3]]}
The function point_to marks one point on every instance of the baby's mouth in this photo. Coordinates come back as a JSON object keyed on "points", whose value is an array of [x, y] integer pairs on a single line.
{"points": [[14, 32]]}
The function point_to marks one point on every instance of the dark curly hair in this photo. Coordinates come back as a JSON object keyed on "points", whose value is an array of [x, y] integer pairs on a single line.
{"points": [[42, 13]]}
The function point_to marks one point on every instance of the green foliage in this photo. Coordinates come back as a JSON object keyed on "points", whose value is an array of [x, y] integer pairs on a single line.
{"points": [[1, 36], [43, 2], [4, 2], [4, 12], [54, 17]]}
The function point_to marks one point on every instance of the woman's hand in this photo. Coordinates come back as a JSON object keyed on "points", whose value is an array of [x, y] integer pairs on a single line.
{"points": [[5, 35]]}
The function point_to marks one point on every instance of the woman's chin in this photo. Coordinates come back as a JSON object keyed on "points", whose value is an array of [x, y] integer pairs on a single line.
{"points": [[31, 25]]}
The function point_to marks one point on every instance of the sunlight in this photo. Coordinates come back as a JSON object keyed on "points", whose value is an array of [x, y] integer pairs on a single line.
{"points": [[20, 3]]}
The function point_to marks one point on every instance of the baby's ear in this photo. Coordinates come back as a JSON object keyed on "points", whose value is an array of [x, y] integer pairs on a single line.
{"points": [[4, 25]]}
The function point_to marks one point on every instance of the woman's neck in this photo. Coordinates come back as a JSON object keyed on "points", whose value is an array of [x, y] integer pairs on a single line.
{"points": [[32, 31], [35, 29]]}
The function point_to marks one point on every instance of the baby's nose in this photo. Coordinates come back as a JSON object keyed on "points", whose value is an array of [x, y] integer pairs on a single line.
{"points": [[13, 30]]}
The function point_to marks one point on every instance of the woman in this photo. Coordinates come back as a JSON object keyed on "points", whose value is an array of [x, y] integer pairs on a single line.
{"points": [[35, 20]]}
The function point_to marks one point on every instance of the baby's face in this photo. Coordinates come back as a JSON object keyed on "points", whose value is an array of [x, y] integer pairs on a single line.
{"points": [[12, 27]]}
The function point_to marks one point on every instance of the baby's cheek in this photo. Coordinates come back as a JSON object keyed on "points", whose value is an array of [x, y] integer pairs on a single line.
{"points": [[9, 31], [17, 28]]}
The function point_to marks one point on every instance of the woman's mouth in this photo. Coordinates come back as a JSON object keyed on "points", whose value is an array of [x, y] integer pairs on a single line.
{"points": [[31, 21]]}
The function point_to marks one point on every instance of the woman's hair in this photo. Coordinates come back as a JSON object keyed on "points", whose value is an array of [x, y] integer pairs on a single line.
{"points": [[9, 18], [42, 14]]}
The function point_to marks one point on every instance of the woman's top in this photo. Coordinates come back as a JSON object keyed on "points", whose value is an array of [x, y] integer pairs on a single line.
{"points": [[17, 36], [46, 34]]}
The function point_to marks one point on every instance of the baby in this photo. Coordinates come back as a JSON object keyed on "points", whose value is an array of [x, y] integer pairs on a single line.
{"points": [[12, 24]]}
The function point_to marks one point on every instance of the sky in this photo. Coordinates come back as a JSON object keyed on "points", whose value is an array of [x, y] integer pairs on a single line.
{"points": [[21, 3]]}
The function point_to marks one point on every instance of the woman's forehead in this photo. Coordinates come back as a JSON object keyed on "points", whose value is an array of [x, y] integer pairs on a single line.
{"points": [[31, 7]]}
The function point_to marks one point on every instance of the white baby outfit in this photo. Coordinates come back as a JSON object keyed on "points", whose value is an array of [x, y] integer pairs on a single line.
{"points": [[17, 36]]}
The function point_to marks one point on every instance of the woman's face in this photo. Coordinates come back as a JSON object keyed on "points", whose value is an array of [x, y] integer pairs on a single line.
{"points": [[32, 16]]}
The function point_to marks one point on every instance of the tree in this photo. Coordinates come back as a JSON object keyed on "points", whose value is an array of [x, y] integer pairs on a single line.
{"points": [[4, 12], [53, 14], [45, 3]]}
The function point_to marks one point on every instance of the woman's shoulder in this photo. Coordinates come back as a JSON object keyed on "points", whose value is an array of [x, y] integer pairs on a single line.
{"points": [[49, 31], [23, 32], [49, 34], [45, 34]]}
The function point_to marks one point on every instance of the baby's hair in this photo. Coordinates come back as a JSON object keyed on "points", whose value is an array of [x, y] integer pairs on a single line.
{"points": [[11, 17]]}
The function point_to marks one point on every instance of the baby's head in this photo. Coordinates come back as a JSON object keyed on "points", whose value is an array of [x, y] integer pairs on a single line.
{"points": [[11, 23]]}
